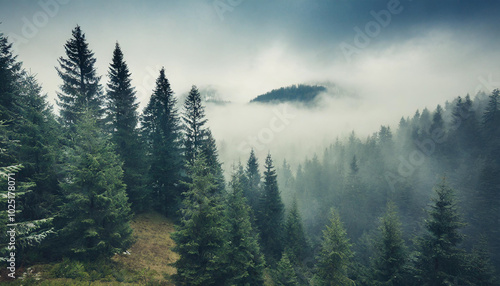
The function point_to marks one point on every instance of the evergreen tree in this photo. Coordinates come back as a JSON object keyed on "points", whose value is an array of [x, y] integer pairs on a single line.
{"points": [[285, 273], [10, 71], [295, 243], [80, 90], [480, 271], [122, 114], [353, 167], [27, 134], [467, 133], [270, 219], [245, 263], [194, 119], [201, 238], [491, 119], [161, 130], [94, 220], [335, 255], [390, 253], [209, 150], [37, 132], [440, 260], [252, 185]]}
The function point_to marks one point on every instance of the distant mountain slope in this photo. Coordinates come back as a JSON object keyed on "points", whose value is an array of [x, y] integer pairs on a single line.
{"points": [[294, 93]]}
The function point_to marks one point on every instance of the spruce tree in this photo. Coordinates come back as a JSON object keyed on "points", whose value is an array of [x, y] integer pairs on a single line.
{"points": [[245, 261], [201, 239], [80, 90], [491, 119], [480, 270], [388, 262], [161, 130], [122, 114], [335, 255], [10, 71], [285, 274], [38, 134], [194, 119], [270, 218], [93, 222], [440, 261], [209, 150], [295, 242], [252, 183]]}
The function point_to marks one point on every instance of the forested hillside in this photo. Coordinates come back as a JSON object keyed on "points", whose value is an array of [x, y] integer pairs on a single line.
{"points": [[296, 93], [414, 205]]}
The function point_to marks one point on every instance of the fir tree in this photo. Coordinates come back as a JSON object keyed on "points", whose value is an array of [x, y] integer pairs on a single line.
{"points": [[295, 243], [245, 262], [440, 260], [10, 71], [122, 114], [252, 185], [335, 255], [480, 271], [94, 220], [161, 130], [209, 150], [491, 118], [201, 237], [285, 274], [270, 219], [80, 90], [390, 255], [194, 119], [37, 132]]}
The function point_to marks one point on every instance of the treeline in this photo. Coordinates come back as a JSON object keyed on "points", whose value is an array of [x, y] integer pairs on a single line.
{"points": [[356, 217]]}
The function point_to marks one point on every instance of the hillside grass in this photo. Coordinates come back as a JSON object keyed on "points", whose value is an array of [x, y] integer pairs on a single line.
{"points": [[152, 250], [147, 264]]}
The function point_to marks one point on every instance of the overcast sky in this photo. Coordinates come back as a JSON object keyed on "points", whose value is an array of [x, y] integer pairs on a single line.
{"points": [[244, 48], [395, 55]]}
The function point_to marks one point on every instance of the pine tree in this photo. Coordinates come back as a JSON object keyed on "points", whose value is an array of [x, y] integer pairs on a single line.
{"points": [[194, 119], [122, 114], [94, 220], [440, 260], [389, 259], [335, 255], [80, 90], [270, 218], [285, 274], [245, 262], [295, 243], [252, 183], [161, 130], [201, 238]]}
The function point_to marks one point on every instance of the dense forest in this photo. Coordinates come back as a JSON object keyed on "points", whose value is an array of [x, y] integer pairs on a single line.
{"points": [[419, 205]]}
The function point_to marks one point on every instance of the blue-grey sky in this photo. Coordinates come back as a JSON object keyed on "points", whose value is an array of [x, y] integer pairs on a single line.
{"points": [[405, 53]]}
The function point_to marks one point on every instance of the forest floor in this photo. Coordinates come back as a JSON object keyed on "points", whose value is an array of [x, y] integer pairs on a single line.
{"points": [[147, 264]]}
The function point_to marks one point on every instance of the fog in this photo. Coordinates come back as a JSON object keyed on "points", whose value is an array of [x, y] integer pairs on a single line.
{"points": [[378, 88]]}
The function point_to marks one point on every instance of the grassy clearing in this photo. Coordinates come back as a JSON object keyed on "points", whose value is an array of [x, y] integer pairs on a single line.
{"points": [[153, 247], [147, 263]]}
